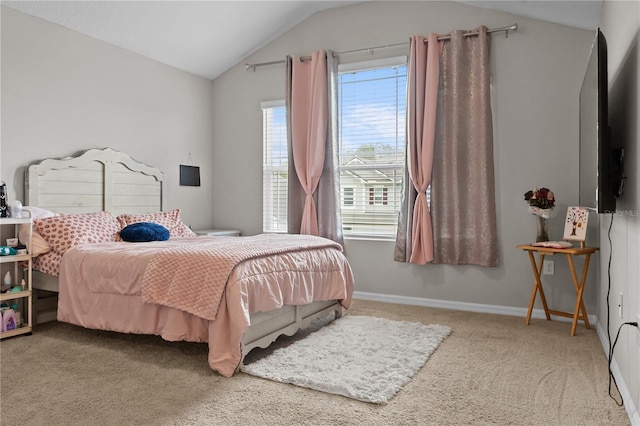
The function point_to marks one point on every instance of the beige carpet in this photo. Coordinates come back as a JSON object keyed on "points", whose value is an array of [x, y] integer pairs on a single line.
{"points": [[492, 369]]}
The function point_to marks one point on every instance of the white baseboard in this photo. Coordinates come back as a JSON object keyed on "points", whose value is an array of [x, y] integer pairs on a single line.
{"points": [[632, 411], [460, 306], [46, 316]]}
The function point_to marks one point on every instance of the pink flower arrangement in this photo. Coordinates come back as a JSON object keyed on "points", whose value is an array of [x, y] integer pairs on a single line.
{"points": [[542, 198], [541, 202]]}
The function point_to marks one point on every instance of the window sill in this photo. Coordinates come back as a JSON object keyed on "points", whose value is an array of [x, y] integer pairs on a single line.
{"points": [[348, 237], [368, 238]]}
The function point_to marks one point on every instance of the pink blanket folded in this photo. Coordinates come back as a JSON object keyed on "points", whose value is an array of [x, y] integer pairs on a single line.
{"points": [[192, 277]]}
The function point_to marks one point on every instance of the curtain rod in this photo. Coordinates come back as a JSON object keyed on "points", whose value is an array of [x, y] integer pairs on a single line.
{"points": [[513, 27]]}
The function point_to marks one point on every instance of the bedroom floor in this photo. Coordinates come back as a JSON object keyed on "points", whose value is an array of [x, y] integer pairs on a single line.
{"points": [[492, 369]]}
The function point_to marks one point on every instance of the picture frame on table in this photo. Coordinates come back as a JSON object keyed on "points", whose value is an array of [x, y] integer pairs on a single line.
{"points": [[575, 224]]}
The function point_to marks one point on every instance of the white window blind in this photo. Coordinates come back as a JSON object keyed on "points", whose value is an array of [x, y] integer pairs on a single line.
{"points": [[274, 167], [371, 114]]}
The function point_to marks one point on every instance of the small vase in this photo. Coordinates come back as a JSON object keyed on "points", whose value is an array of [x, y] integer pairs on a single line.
{"points": [[542, 229]]}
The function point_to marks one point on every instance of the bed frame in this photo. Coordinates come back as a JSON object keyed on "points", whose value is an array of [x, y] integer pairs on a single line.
{"points": [[109, 180]]}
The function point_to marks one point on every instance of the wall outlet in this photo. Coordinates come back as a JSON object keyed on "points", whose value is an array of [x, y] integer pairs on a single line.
{"points": [[548, 267], [620, 306]]}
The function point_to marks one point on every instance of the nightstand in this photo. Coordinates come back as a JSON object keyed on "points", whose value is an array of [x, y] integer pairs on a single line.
{"points": [[580, 312], [219, 232]]}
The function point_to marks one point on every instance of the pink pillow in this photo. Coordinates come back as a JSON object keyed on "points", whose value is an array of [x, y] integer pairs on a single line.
{"points": [[38, 244], [170, 220], [65, 231]]}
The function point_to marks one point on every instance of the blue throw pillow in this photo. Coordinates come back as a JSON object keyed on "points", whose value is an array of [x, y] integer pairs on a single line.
{"points": [[144, 231]]}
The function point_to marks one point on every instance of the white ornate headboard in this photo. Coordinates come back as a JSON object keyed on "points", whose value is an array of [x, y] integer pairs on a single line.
{"points": [[95, 180]]}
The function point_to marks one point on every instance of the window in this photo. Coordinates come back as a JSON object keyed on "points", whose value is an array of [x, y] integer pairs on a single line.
{"points": [[274, 167], [371, 114], [371, 125], [379, 196], [347, 196]]}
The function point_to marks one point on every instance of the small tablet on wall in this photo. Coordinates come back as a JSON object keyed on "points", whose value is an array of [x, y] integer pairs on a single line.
{"points": [[189, 175]]}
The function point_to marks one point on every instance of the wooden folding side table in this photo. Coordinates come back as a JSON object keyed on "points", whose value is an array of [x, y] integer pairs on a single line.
{"points": [[580, 312]]}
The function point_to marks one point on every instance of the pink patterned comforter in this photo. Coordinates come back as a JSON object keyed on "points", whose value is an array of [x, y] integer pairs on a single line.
{"points": [[101, 288]]}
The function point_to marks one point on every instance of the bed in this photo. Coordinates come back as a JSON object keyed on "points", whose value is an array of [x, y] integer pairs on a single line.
{"points": [[273, 284]]}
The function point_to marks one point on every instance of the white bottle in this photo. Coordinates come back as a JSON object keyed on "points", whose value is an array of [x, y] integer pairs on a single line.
{"points": [[7, 279]]}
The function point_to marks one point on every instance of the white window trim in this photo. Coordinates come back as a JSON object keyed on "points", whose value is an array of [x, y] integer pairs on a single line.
{"points": [[272, 104], [265, 105], [373, 64], [365, 66], [345, 68]]}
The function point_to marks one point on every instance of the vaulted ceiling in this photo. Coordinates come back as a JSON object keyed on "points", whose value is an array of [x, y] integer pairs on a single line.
{"points": [[208, 37]]}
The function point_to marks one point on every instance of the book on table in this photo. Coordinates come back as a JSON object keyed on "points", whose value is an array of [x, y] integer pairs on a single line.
{"points": [[553, 244]]}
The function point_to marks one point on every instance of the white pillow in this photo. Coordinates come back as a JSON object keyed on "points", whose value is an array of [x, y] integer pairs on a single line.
{"points": [[39, 213], [38, 244]]}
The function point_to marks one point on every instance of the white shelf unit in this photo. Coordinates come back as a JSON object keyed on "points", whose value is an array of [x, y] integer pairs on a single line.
{"points": [[9, 229]]}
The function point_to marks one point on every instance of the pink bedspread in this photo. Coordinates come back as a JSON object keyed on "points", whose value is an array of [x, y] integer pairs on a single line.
{"points": [[192, 277], [101, 286]]}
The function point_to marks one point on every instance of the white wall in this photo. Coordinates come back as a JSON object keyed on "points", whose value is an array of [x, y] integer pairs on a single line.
{"points": [[64, 92], [620, 24], [537, 74]]}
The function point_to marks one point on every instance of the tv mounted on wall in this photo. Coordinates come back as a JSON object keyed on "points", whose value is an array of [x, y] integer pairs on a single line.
{"points": [[600, 163]]}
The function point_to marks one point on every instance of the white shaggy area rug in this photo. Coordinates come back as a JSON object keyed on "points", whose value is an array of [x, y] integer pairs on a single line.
{"points": [[360, 357]]}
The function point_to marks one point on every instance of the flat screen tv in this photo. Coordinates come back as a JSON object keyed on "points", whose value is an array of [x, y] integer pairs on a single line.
{"points": [[600, 164]]}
